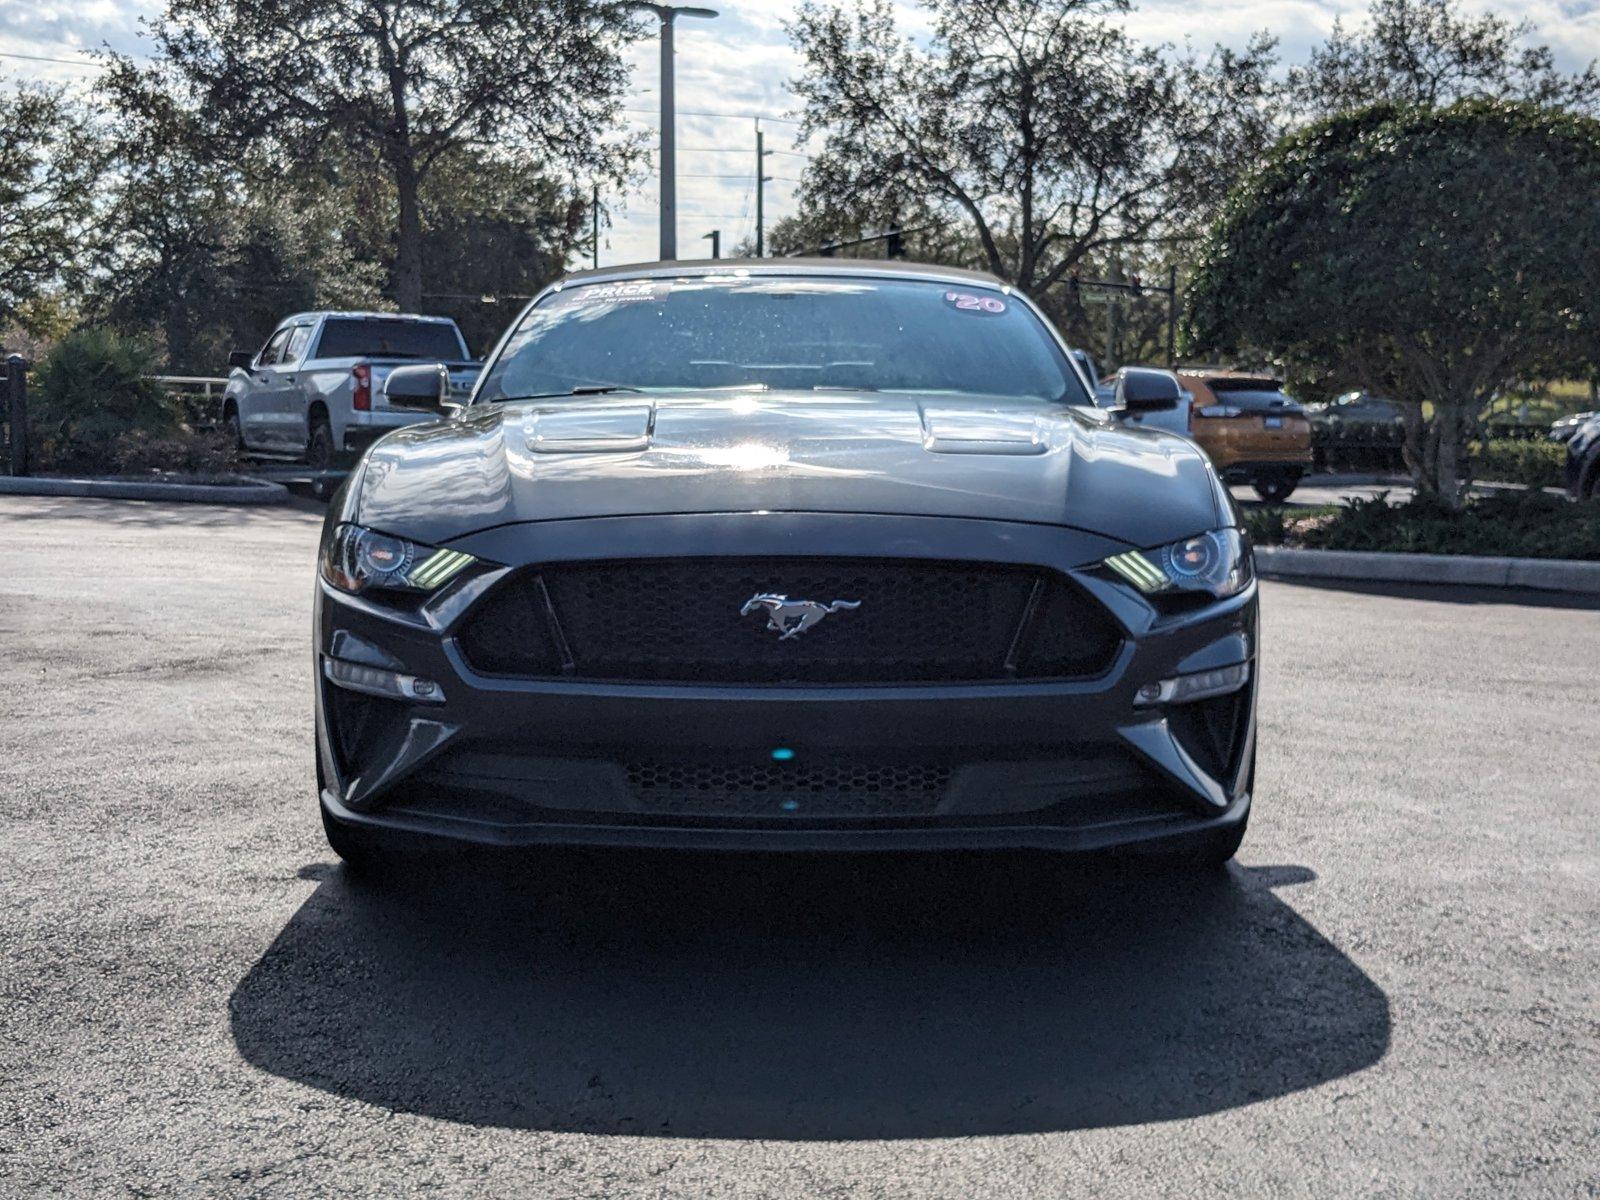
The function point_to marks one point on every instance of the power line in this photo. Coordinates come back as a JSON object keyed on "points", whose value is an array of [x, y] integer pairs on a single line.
{"points": [[71, 62], [690, 112], [736, 150]]}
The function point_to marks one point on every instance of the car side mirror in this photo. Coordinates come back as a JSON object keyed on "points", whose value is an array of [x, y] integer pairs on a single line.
{"points": [[241, 360], [421, 388], [1145, 390]]}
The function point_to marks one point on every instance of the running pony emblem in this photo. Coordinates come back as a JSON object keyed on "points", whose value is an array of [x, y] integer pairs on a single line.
{"points": [[788, 618]]}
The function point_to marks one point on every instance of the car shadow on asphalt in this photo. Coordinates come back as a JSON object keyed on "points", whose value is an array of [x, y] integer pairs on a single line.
{"points": [[807, 998]]}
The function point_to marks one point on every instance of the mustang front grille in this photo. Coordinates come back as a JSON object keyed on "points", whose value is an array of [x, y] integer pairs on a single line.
{"points": [[788, 620]]}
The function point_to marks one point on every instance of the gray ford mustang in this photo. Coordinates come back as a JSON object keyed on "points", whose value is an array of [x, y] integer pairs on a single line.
{"points": [[786, 554]]}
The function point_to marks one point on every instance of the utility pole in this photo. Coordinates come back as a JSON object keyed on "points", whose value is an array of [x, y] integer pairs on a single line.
{"points": [[715, 238], [668, 15], [762, 179], [1172, 315], [594, 220], [1110, 361]]}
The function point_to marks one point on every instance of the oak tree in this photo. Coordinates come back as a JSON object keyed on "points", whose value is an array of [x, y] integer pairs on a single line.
{"points": [[403, 83], [1433, 255], [1038, 128]]}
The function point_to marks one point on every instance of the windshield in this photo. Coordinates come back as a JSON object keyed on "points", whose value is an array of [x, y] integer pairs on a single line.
{"points": [[375, 337], [782, 332]]}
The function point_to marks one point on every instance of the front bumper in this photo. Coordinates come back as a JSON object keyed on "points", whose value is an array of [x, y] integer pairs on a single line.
{"points": [[1061, 765]]}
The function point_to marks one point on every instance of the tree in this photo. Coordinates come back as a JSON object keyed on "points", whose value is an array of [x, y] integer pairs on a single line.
{"points": [[200, 255], [1427, 52], [1037, 125], [1433, 255], [496, 228], [50, 166], [404, 84]]}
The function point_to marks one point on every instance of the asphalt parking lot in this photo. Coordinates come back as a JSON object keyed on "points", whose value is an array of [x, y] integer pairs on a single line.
{"points": [[1392, 992]]}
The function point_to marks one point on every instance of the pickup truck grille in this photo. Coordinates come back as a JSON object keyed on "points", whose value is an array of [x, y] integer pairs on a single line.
{"points": [[683, 620]]}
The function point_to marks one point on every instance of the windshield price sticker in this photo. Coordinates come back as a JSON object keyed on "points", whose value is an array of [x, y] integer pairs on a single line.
{"points": [[625, 292], [968, 302]]}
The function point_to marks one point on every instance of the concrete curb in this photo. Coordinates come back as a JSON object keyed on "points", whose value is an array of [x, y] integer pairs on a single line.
{"points": [[1541, 574], [256, 491]]}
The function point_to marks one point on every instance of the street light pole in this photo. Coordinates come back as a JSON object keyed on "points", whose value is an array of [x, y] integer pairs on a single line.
{"points": [[762, 179], [668, 15]]}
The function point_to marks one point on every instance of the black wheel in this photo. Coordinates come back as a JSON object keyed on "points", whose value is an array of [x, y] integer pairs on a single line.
{"points": [[319, 446], [232, 431], [320, 454], [1277, 489]]}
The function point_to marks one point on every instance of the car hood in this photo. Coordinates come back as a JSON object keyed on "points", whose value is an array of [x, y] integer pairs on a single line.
{"points": [[843, 453]]}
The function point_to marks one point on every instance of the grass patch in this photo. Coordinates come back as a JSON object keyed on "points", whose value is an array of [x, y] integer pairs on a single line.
{"points": [[1519, 525]]}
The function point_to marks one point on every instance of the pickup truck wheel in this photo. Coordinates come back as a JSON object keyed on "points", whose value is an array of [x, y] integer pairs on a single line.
{"points": [[319, 447]]}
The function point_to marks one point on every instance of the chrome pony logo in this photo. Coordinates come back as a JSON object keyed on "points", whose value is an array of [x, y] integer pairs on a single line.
{"points": [[789, 618]]}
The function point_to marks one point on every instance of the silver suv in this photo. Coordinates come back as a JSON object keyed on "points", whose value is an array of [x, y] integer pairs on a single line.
{"points": [[315, 390]]}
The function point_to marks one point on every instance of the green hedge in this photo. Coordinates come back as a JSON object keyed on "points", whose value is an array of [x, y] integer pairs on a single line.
{"points": [[1358, 448], [1518, 524], [1530, 463], [1377, 448]]}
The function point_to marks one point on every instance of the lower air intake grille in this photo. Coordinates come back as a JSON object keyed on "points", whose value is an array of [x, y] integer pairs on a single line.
{"points": [[860, 790], [690, 620]]}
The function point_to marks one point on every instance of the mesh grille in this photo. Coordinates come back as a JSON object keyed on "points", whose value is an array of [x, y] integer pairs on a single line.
{"points": [[862, 790], [682, 620]]}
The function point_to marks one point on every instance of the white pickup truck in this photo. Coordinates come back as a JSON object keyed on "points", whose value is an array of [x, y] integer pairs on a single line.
{"points": [[314, 392]]}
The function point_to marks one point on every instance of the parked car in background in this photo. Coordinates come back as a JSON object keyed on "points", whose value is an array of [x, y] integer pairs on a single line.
{"points": [[1563, 430], [1583, 460], [1253, 432], [314, 391], [1356, 408]]}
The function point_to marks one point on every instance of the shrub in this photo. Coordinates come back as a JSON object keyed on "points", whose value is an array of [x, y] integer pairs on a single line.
{"points": [[93, 409], [1519, 524], [1267, 525], [1534, 464], [91, 391], [1360, 448]]}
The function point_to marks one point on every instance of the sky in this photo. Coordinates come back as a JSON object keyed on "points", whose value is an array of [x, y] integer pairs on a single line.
{"points": [[734, 68]]}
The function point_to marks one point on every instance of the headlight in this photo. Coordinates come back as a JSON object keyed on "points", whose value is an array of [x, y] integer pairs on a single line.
{"points": [[1217, 562], [357, 559]]}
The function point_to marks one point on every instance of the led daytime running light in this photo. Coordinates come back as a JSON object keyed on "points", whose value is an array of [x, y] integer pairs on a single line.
{"points": [[437, 568], [1139, 571]]}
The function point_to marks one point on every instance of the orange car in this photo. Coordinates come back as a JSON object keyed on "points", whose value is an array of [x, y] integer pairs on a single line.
{"points": [[1252, 432]]}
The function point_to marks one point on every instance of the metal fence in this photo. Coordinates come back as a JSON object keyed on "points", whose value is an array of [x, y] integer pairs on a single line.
{"points": [[14, 415], [200, 395]]}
